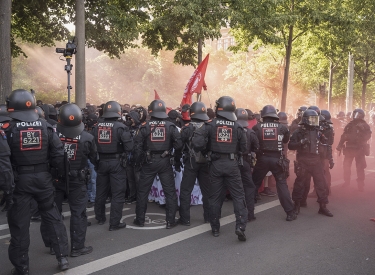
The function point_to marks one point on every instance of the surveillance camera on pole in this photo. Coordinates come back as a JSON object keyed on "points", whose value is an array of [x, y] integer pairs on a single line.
{"points": [[68, 51]]}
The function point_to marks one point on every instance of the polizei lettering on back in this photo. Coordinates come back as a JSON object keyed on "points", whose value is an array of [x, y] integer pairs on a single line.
{"points": [[225, 122], [105, 124], [269, 125], [28, 124]]}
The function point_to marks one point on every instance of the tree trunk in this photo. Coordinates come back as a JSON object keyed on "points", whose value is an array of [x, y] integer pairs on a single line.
{"points": [[5, 52], [364, 84], [200, 46], [80, 74], [331, 68], [286, 70]]}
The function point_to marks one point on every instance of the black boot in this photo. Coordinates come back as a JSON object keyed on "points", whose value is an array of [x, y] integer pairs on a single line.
{"points": [[63, 263], [324, 211], [297, 206]]}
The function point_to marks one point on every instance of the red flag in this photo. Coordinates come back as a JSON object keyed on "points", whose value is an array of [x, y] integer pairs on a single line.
{"points": [[196, 82], [156, 95]]}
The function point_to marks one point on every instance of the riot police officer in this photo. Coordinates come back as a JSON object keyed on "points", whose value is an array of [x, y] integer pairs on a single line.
{"points": [[6, 178], [195, 164], [353, 142], [154, 143], [79, 146], [113, 141], [225, 140], [307, 141], [246, 174], [50, 114], [297, 120], [33, 144], [271, 156]]}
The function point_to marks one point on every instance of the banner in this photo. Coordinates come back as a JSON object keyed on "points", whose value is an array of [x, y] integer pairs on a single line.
{"points": [[196, 82]]}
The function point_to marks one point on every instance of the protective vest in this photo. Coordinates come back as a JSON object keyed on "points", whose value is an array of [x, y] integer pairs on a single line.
{"points": [[224, 138], [74, 148], [29, 142], [158, 136], [313, 135], [271, 136], [107, 138]]}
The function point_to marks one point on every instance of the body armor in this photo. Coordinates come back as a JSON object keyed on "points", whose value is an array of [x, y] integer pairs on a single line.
{"points": [[29, 142], [158, 136], [272, 138], [225, 137], [74, 148], [107, 138]]}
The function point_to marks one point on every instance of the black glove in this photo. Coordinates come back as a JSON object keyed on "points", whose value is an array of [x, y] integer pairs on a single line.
{"points": [[178, 165], [305, 141], [331, 164], [8, 200]]}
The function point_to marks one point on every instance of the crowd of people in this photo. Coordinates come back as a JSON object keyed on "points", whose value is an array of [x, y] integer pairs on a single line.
{"points": [[55, 154]]}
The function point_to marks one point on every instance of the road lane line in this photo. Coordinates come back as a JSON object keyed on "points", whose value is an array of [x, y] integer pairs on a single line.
{"points": [[126, 255]]}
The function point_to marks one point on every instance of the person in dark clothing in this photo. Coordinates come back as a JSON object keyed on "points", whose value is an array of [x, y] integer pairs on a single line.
{"points": [[154, 143], [272, 136], [295, 122], [79, 146], [39, 148], [353, 143], [246, 174], [307, 140], [195, 164], [50, 114], [225, 140], [113, 141]]}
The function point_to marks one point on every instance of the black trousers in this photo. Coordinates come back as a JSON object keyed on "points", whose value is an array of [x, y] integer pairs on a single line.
{"points": [[249, 188], [314, 168], [132, 176], [161, 167], [270, 163], [193, 171], [327, 176], [111, 177], [225, 173], [360, 163], [77, 199], [36, 186]]}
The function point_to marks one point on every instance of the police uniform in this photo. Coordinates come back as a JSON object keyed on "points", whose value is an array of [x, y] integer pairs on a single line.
{"points": [[245, 169], [79, 146], [225, 141], [307, 141], [6, 175], [157, 138], [354, 144], [195, 165], [112, 139], [34, 145], [272, 136]]}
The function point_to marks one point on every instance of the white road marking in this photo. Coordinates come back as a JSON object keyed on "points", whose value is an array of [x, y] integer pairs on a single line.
{"points": [[126, 255]]}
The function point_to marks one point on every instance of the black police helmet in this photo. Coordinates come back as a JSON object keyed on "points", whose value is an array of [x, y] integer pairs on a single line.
{"points": [[269, 111], [198, 110], [327, 115], [242, 117], [341, 114], [358, 114], [40, 112], [310, 118], [315, 108], [70, 121], [157, 109], [4, 115], [225, 107], [250, 114], [283, 117], [111, 109], [21, 106], [302, 108]]}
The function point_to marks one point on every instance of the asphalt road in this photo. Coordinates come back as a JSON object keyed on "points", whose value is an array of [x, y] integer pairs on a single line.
{"points": [[312, 244]]}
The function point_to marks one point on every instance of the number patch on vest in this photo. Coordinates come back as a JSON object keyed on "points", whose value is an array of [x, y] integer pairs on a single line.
{"points": [[224, 134], [30, 140], [105, 135], [71, 150], [157, 134], [269, 133]]}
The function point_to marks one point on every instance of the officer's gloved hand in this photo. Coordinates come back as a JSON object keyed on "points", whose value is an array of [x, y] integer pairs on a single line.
{"points": [[178, 165], [305, 141], [8, 200], [331, 164]]}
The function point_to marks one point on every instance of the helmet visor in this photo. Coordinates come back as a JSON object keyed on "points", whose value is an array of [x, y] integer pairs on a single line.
{"points": [[313, 120]]}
